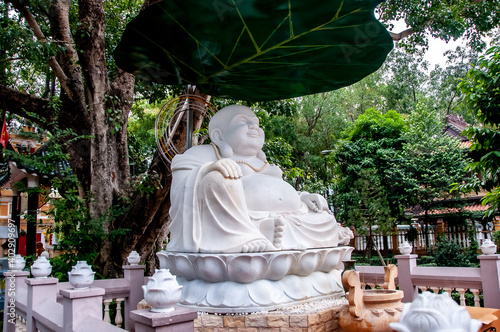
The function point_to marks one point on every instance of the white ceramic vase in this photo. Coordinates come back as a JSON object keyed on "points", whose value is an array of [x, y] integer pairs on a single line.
{"points": [[134, 258], [162, 291], [81, 275], [405, 248], [18, 263], [488, 247], [41, 268]]}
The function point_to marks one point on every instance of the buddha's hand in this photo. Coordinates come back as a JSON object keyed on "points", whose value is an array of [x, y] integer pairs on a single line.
{"points": [[227, 167], [315, 202]]}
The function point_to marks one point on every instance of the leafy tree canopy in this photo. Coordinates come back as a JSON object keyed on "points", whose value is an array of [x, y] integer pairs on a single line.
{"points": [[482, 90], [446, 20], [364, 158]]}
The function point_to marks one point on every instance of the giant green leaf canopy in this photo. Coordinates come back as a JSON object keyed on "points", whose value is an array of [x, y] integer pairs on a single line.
{"points": [[255, 50]]}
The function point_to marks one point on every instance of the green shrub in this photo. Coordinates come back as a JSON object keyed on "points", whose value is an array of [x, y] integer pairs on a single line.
{"points": [[450, 253], [496, 238]]}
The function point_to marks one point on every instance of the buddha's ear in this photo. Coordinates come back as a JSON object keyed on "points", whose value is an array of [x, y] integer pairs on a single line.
{"points": [[218, 139], [262, 156]]}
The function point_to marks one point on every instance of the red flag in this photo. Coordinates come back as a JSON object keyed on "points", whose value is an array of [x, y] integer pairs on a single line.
{"points": [[4, 139]]}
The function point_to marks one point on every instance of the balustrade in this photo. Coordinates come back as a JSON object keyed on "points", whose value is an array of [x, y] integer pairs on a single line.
{"points": [[44, 304], [453, 280], [423, 240], [119, 297]]}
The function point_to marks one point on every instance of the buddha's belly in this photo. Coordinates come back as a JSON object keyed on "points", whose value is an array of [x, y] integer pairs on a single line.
{"points": [[269, 193]]}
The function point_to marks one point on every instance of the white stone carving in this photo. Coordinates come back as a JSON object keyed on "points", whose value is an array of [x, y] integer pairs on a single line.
{"points": [[134, 258], [405, 248], [81, 275], [242, 238], [18, 263], [431, 312], [227, 198], [488, 247], [162, 291], [41, 268]]}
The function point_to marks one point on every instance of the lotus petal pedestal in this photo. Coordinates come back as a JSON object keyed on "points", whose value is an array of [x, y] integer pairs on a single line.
{"points": [[250, 282]]}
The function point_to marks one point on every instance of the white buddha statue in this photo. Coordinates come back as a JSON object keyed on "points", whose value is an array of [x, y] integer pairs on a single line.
{"points": [[226, 197]]}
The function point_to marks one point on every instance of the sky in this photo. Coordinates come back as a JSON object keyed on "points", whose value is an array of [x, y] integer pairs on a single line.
{"points": [[437, 47]]}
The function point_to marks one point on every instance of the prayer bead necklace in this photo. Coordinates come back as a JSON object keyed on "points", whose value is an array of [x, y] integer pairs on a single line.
{"points": [[257, 170]]}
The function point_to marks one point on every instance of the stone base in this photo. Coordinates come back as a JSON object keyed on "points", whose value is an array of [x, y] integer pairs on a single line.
{"points": [[324, 318], [250, 282], [231, 297]]}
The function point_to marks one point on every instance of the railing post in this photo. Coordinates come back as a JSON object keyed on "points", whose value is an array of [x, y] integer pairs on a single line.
{"points": [[80, 304], [406, 263], [39, 290], [490, 276], [181, 319], [13, 281], [134, 274]]}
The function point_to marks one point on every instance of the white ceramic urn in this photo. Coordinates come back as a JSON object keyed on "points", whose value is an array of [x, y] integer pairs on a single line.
{"points": [[81, 275], [41, 268], [134, 258], [488, 247], [405, 248], [17, 263], [162, 291]]}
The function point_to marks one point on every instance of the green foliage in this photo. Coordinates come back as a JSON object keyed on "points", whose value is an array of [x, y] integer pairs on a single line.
{"points": [[429, 162], [141, 134], [301, 144], [496, 238], [412, 234], [472, 250], [443, 83], [482, 89], [362, 164], [406, 79], [450, 253], [426, 261], [62, 264], [79, 235], [279, 152], [372, 125], [388, 164], [469, 298], [373, 261], [447, 20], [370, 206]]}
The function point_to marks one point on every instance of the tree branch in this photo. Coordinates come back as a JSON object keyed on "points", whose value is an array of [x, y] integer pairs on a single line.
{"points": [[401, 35], [41, 37], [19, 103]]}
